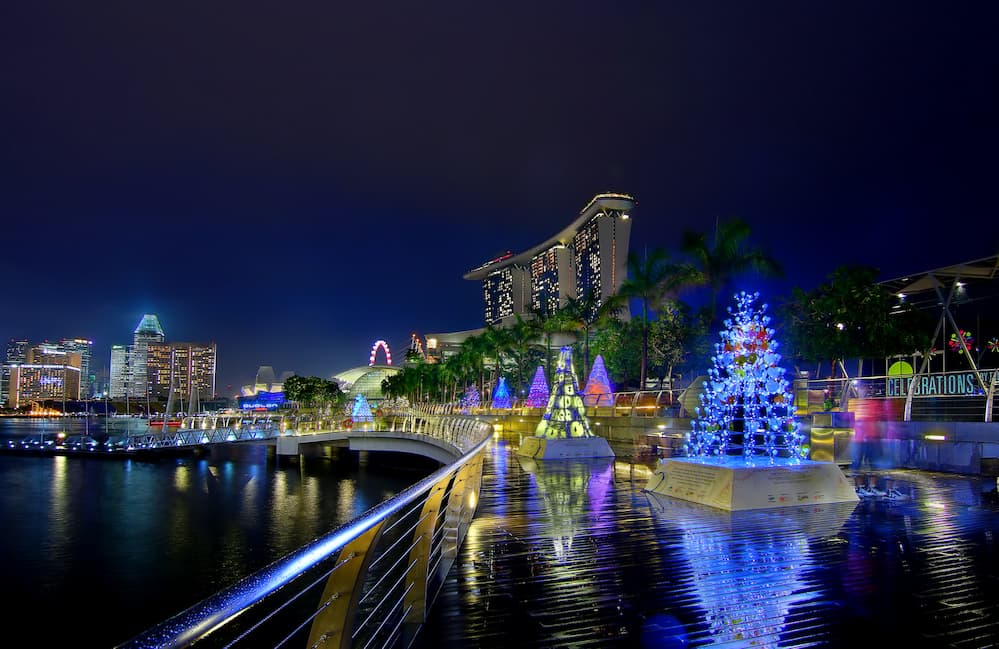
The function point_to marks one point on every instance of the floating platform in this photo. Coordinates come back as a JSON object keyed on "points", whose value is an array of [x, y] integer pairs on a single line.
{"points": [[544, 448], [734, 485]]}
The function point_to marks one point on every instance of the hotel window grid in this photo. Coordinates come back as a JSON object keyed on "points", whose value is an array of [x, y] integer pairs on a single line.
{"points": [[545, 290], [586, 245], [498, 293]]}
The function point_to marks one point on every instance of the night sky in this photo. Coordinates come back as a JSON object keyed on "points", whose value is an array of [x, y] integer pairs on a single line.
{"points": [[296, 180]]}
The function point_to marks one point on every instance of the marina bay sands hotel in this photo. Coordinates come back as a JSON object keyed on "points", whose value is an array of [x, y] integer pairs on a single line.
{"points": [[589, 256]]}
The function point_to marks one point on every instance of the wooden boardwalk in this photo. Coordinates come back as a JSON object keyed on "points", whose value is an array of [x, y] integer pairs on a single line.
{"points": [[577, 554]]}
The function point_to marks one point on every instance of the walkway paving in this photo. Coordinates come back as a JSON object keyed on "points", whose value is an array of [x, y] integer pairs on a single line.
{"points": [[577, 554]]}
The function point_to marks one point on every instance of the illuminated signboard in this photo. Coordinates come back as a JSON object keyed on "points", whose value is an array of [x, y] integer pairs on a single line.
{"points": [[961, 384]]}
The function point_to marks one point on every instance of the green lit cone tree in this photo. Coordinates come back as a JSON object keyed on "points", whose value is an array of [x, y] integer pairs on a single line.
{"points": [[565, 416]]}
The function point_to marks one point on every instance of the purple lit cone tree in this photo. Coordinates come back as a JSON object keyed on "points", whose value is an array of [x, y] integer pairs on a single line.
{"points": [[538, 396], [470, 399], [598, 390]]}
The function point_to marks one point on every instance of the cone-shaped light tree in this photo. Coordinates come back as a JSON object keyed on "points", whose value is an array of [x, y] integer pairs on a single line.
{"points": [[538, 396], [565, 416], [470, 399], [747, 408], [501, 395], [361, 411], [598, 391]]}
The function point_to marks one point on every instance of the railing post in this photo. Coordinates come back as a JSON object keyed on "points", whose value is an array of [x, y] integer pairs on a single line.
{"points": [[416, 581], [338, 605], [989, 399]]}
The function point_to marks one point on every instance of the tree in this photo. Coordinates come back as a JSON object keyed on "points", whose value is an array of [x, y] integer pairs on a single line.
{"points": [[522, 335], [851, 316], [620, 345], [673, 336], [549, 324], [583, 314], [650, 279], [724, 258]]}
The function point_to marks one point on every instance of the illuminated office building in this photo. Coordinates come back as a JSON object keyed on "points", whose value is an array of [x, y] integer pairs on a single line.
{"points": [[589, 256], [40, 381], [85, 349], [17, 352], [118, 381], [149, 331], [191, 364]]}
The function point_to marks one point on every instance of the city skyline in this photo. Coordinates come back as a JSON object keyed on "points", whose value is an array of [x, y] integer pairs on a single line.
{"points": [[296, 201]]}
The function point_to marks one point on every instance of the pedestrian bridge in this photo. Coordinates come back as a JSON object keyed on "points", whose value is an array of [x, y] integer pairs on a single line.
{"points": [[368, 583], [292, 436]]}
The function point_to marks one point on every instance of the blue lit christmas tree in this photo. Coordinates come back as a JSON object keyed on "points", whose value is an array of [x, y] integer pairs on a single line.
{"points": [[361, 411], [746, 408], [470, 399], [598, 390], [538, 396], [501, 395]]}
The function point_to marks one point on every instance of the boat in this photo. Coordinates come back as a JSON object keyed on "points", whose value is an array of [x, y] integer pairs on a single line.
{"points": [[160, 421]]}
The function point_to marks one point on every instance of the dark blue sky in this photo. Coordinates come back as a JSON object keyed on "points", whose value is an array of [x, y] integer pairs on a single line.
{"points": [[295, 182]]}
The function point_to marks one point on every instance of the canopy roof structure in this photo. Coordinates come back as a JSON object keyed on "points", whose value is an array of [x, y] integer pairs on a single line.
{"points": [[963, 283], [966, 290]]}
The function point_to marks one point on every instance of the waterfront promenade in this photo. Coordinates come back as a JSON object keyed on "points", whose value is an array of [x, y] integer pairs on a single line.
{"points": [[576, 554]]}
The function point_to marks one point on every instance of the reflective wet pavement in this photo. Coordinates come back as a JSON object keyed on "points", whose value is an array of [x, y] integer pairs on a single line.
{"points": [[576, 554]]}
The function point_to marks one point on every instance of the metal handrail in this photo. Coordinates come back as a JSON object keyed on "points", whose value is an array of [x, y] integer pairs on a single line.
{"points": [[217, 611]]}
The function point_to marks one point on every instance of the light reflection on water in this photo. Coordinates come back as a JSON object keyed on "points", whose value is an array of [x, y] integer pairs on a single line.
{"points": [[112, 546]]}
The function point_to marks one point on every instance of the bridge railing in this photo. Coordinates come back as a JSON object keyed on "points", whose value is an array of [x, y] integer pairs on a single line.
{"points": [[640, 403], [367, 583]]}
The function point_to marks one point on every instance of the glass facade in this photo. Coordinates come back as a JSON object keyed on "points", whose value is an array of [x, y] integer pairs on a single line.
{"points": [[119, 372], [85, 349]]}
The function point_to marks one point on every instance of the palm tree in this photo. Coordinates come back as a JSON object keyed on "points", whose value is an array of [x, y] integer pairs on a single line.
{"points": [[650, 279], [583, 314], [496, 341], [548, 325], [726, 257], [522, 335], [473, 351]]}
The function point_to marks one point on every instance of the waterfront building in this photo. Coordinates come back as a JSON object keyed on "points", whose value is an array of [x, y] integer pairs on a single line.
{"points": [[589, 256], [148, 331], [191, 366], [17, 352], [85, 349], [365, 381], [37, 382], [266, 392], [118, 381], [129, 374]]}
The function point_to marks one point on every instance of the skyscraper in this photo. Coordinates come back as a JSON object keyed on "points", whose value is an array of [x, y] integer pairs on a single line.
{"points": [[590, 256], [85, 349], [192, 366], [148, 331], [17, 352], [118, 381]]}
